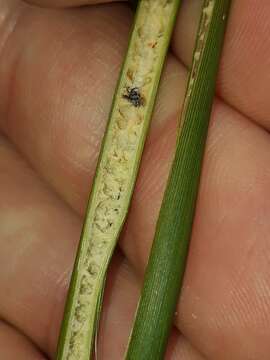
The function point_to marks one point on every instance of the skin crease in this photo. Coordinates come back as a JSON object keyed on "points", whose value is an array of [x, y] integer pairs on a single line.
{"points": [[58, 70]]}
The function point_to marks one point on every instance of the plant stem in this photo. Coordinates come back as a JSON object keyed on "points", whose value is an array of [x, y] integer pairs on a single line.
{"points": [[116, 174], [166, 266]]}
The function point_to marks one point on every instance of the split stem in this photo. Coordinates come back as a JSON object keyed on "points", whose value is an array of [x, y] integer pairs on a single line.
{"points": [[116, 174]]}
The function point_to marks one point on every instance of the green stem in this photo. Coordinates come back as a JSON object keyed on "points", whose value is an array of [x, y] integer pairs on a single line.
{"points": [[165, 270], [116, 174]]}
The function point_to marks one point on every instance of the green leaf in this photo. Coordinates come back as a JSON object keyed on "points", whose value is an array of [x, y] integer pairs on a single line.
{"points": [[166, 266]]}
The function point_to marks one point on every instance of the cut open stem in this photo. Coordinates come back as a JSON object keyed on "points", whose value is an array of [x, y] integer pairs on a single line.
{"points": [[116, 174], [165, 270]]}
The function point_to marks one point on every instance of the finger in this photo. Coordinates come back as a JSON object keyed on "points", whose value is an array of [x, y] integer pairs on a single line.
{"points": [[67, 3], [14, 346], [243, 81], [78, 82], [230, 246], [32, 240], [39, 236]]}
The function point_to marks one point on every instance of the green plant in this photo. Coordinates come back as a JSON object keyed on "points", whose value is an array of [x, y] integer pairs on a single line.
{"points": [[165, 270], [116, 174]]}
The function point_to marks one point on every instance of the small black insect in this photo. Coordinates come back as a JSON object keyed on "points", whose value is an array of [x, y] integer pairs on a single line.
{"points": [[134, 97]]}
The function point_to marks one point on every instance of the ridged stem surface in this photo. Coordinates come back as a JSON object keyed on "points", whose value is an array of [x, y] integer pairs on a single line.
{"points": [[165, 270]]}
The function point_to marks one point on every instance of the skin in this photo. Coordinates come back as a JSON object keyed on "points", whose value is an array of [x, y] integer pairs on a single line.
{"points": [[58, 70]]}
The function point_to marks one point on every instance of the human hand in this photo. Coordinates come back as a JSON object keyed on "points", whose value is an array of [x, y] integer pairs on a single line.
{"points": [[58, 70]]}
